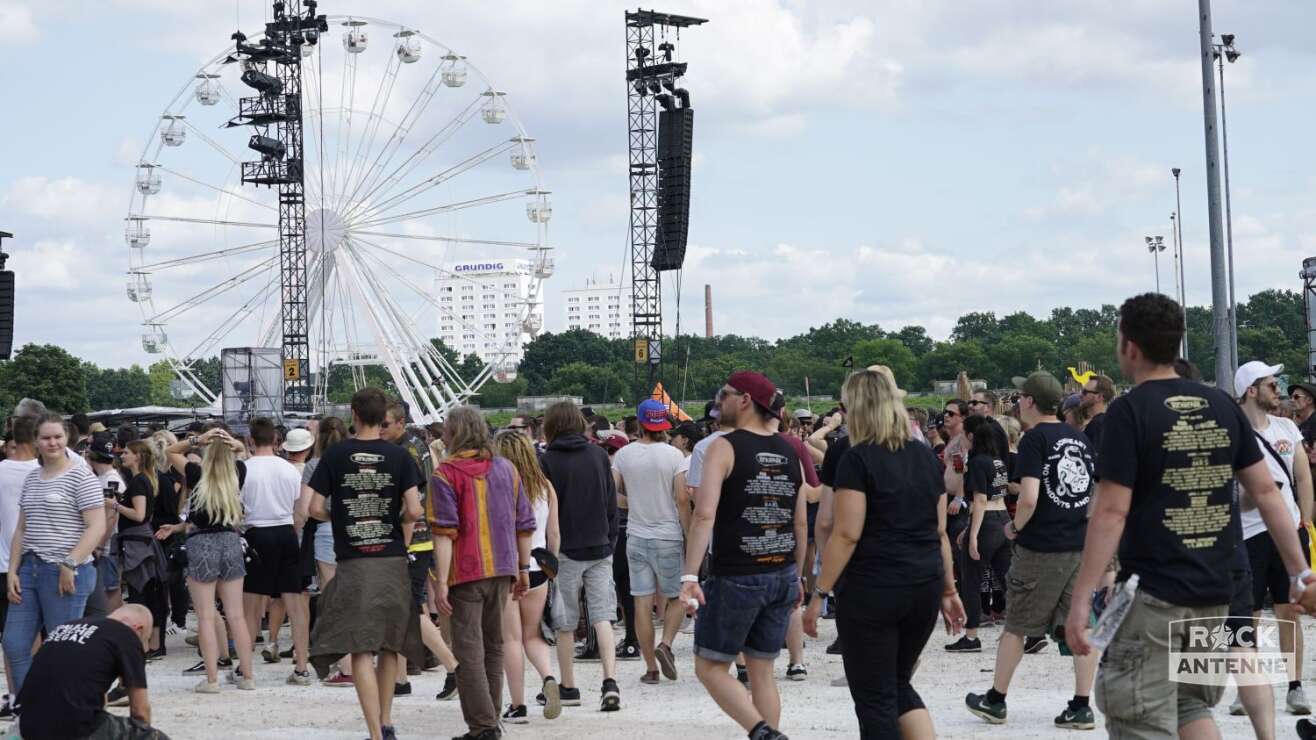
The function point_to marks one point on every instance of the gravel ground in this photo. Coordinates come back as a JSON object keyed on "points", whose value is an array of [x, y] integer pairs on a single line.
{"points": [[680, 709]]}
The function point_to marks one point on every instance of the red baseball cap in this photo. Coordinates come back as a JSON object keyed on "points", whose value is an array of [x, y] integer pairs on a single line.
{"points": [[755, 385]]}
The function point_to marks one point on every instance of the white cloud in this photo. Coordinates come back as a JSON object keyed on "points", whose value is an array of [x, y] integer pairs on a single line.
{"points": [[68, 200], [17, 22]]}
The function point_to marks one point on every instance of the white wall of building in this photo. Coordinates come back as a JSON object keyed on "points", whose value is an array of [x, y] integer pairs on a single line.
{"points": [[603, 308], [481, 305]]}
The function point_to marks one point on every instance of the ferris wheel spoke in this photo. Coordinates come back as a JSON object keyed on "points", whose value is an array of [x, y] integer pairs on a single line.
{"points": [[377, 107], [194, 259], [230, 156], [233, 320], [219, 289], [401, 130], [512, 297], [384, 184], [446, 208], [216, 188], [211, 221], [449, 239], [313, 105], [424, 186]]}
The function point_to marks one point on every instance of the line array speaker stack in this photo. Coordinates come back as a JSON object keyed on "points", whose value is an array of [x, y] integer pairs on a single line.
{"points": [[675, 147]]}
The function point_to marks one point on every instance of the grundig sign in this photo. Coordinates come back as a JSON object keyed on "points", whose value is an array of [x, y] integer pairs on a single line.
{"points": [[479, 267]]}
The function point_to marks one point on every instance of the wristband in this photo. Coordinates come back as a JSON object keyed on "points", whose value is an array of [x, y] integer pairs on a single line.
{"points": [[688, 578], [524, 568], [820, 593], [1297, 581]]}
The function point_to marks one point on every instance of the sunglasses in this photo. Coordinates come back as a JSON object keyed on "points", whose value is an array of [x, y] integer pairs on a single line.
{"points": [[1087, 392], [948, 412], [517, 427], [977, 403], [724, 392]]}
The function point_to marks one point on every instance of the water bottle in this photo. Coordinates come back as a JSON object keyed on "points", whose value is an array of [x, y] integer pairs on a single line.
{"points": [[1116, 610]]}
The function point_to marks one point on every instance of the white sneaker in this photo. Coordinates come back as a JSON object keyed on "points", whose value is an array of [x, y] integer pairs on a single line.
{"points": [[246, 684], [1297, 702], [1236, 709], [206, 687]]}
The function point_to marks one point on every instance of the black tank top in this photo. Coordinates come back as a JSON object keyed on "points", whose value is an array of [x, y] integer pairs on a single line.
{"points": [[754, 531]]}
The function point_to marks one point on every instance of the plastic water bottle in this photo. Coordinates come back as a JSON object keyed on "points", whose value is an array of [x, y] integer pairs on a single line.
{"points": [[1116, 610]]}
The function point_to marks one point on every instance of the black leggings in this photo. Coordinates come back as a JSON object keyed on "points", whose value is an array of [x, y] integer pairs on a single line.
{"points": [[156, 598], [994, 551], [881, 643], [621, 576]]}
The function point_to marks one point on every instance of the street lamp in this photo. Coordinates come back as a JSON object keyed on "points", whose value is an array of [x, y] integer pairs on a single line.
{"points": [[1183, 285], [1225, 52], [1156, 245]]}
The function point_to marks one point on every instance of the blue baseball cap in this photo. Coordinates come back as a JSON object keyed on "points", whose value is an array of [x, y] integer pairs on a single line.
{"points": [[653, 416]]}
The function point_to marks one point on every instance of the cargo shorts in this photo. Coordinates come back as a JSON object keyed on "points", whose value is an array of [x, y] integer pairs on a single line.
{"points": [[1038, 589], [1133, 687]]}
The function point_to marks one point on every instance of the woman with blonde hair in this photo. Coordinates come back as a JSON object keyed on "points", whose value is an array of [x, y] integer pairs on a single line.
{"points": [[522, 636], [215, 560], [889, 541]]}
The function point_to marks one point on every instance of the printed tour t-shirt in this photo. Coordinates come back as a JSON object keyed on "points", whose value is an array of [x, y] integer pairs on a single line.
{"points": [[754, 529], [1058, 456], [64, 692], [365, 481], [1176, 444], [900, 544], [986, 475], [1285, 440]]}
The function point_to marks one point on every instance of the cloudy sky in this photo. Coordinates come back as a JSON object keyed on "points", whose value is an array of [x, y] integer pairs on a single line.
{"points": [[888, 161]]}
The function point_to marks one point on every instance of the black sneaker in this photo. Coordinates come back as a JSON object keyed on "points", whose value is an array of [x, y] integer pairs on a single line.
{"points": [[402, 689], [993, 712], [570, 696], [835, 647], [1306, 729], [588, 654], [610, 701], [118, 696], [628, 651], [7, 709], [154, 655], [1076, 719], [965, 645], [449, 687], [200, 667], [388, 732], [516, 715], [765, 731], [1034, 645], [796, 672]]}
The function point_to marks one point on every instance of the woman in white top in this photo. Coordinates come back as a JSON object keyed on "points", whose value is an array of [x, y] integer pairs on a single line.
{"points": [[522, 637], [61, 520]]}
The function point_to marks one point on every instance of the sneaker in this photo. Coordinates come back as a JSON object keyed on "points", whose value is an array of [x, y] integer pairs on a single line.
{"points": [[246, 684], [402, 689], [796, 672], [550, 698], [1034, 645], [1236, 709], [449, 687], [7, 709], [1297, 701], [765, 731], [1306, 729], [587, 655], [1076, 719], [993, 712], [570, 696], [300, 678], [206, 687], [118, 696], [835, 647], [192, 639], [650, 678], [965, 645], [516, 715], [666, 660], [154, 655], [388, 732], [610, 701], [339, 680], [628, 651], [271, 653], [173, 629], [200, 667]]}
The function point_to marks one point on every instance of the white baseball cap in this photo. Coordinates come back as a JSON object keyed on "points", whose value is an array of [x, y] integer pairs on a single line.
{"points": [[1252, 372], [297, 440]]}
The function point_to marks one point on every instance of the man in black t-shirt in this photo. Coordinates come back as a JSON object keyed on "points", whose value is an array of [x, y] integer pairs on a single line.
{"points": [[749, 504], [1097, 394], [1055, 470], [63, 697], [367, 609], [1170, 451]]}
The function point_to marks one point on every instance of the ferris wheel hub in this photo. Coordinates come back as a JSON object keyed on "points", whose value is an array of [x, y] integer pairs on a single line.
{"points": [[324, 227]]}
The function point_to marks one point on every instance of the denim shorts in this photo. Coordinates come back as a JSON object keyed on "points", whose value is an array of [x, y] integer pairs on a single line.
{"points": [[655, 566], [324, 544], [108, 568], [746, 614]]}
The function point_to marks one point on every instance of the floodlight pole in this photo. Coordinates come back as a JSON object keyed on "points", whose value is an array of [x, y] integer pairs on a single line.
{"points": [[1224, 369]]}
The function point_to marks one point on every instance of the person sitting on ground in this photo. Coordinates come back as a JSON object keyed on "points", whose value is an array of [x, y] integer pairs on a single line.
{"points": [[64, 695]]}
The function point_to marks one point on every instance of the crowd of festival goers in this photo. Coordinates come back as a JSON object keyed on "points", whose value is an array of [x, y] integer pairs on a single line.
{"points": [[365, 550]]}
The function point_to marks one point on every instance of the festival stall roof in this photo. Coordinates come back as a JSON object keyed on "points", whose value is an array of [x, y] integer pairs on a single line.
{"points": [[149, 414]]}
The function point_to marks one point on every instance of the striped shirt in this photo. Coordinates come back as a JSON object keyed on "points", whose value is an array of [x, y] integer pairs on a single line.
{"points": [[52, 511]]}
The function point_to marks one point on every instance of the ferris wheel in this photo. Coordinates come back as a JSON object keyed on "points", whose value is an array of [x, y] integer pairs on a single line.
{"points": [[414, 161]]}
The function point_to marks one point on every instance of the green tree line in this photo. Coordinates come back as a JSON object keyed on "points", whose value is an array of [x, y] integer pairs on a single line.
{"points": [[1272, 327]]}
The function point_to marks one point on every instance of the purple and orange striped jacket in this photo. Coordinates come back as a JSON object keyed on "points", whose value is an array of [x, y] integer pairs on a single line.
{"points": [[478, 502]]}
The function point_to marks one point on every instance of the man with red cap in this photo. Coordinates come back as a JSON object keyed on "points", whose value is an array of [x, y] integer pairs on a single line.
{"points": [[749, 503], [646, 476]]}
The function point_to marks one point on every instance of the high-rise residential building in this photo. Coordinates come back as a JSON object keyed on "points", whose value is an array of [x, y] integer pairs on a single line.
{"points": [[481, 307], [603, 308]]}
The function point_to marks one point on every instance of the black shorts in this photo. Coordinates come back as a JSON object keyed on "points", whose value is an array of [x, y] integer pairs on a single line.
{"points": [[1240, 604], [538, 578], [419, 572], [1268, 571], [811, 510], [277, 568]]}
